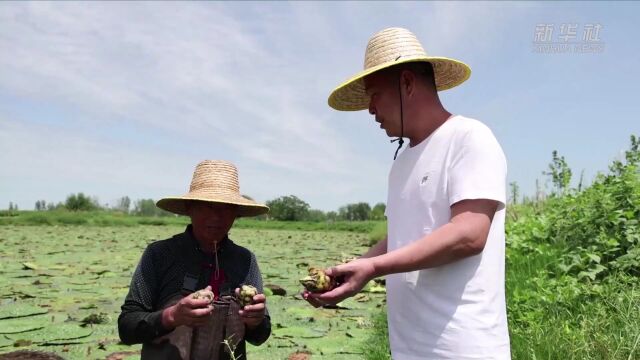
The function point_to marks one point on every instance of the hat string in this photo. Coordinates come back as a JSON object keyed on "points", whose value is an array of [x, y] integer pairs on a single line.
{"points": [[400, 139], [216, 273]]}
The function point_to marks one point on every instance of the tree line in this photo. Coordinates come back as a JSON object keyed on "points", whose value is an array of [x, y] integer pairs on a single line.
{"points": [[82, 202], [284, 208]]}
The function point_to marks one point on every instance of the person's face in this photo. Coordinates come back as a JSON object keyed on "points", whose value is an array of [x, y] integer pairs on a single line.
{"points": [[211, 221], [384, 101]]}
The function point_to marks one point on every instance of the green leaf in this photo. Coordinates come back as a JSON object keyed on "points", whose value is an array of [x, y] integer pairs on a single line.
{"points": [[29, 266], [595, 258], [20, 325], [20, 310], [54, 333]]}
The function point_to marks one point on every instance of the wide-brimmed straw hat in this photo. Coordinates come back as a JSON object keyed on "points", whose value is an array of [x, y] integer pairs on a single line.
{"points": [[390, 47], [214, 181]]}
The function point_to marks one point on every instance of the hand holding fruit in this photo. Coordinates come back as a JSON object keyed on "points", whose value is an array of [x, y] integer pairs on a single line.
{"points": [[254, 307], [192, 310], [353, 276], [317, 281]]}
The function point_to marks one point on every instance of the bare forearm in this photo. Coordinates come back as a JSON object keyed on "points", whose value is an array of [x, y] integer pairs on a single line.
{"points": [[380, 248], [463, 236], [445, 245]]}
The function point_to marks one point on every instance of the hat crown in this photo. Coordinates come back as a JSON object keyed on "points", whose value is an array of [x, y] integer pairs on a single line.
{"points": [[215, 176], [392, 44]]}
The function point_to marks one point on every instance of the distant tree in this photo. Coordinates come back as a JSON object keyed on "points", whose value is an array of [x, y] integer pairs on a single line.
{"points": [[581, 181], [632, 157], [316, 215], [80, 202], [11, 206], [145, 207], [377, 213], [514, 192], [123, 204], [540, 194], [288, 208], [355, 212], [559, 172], [52, 206], [332, 216]]}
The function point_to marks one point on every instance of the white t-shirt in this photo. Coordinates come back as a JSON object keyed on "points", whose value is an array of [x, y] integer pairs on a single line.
{"points": [[458, 310]]}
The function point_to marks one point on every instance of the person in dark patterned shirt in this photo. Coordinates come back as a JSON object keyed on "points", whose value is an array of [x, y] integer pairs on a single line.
{"points": [[160, 310]]}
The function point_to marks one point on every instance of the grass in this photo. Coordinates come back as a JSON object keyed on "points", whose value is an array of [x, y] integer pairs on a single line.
{"points": [[562, 318], [376, 346], [377, 233]]}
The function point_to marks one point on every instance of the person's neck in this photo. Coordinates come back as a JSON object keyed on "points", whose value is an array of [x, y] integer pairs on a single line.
{"points": [[428, 121], [210, 248]]}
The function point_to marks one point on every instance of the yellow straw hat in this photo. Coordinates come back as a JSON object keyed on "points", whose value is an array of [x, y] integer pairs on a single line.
{"points": [[214, 181], [390, 47]]}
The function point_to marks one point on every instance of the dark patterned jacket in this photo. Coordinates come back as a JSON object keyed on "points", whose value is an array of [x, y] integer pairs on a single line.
{"points": [[176, 266]]}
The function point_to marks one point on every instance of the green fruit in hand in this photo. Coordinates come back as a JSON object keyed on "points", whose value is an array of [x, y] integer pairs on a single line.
{"points": [[203, 294], [247, 292], [317, 281]]}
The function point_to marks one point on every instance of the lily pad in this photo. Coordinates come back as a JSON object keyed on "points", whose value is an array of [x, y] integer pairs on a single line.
{"points": [[377, 289], [301, 312], [54, 333], [5, 342], [20, 310], [20, 325], [29, 266], [299, 332]]}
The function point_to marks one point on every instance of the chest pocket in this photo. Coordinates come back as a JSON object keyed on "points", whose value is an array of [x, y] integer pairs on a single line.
{"points": [[431, 184]]}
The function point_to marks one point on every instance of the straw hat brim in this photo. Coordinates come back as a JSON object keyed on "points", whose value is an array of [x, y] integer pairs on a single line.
{"points": [[246, 207], [351, 95]]}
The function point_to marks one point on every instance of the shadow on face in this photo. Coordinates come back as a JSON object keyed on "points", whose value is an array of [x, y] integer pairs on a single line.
{"points": [[211, 221]]}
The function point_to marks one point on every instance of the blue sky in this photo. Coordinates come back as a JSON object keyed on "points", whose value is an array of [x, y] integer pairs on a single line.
{"points": [[115, 99]]}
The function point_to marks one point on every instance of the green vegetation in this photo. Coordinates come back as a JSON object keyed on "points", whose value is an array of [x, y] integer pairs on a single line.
{"points": [[573, 266], [112, 218], [95, 218], [285, 208]]}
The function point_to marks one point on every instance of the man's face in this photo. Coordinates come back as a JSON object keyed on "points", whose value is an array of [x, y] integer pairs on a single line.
{"points": [[211, 221], [384, 101]]}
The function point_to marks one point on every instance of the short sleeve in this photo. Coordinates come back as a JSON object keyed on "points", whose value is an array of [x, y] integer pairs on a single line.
{"points": [[478, 168]]}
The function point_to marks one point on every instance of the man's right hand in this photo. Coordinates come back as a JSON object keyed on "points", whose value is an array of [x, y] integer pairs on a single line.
{"points": [[188, 311]]}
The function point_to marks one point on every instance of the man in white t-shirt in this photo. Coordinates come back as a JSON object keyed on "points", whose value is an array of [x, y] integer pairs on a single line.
{"points": [[444, 254]]}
